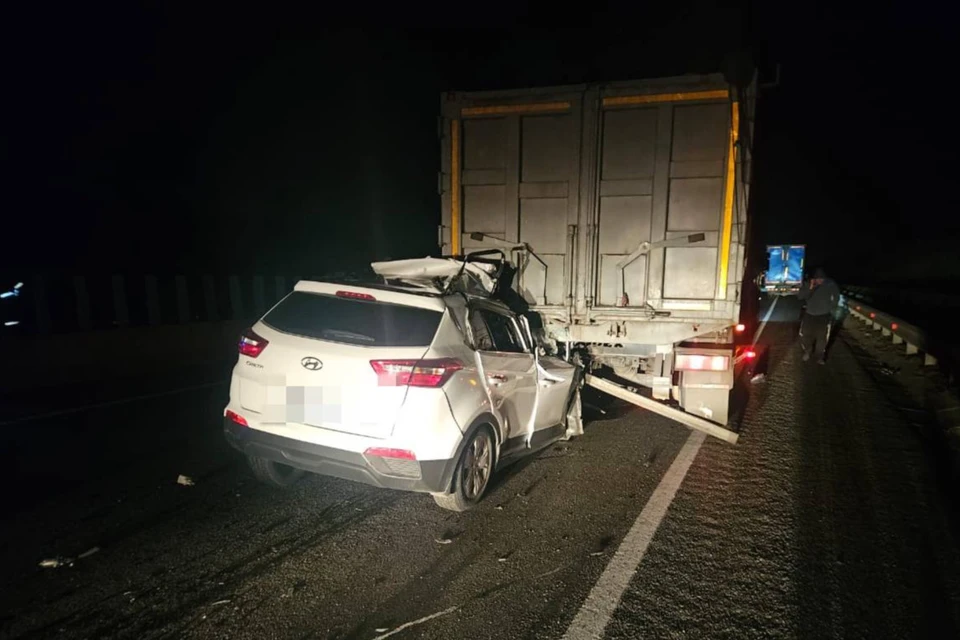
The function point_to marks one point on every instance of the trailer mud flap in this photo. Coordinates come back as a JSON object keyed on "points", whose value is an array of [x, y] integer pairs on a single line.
{"points": [[682, 417]]}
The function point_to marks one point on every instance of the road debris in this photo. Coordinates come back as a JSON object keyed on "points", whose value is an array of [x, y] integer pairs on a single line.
{"points": [[759, 378], [218, 602], [56, 563], [89, 552], [413, 623], [185, 481], [443, 540], [381, 629]]}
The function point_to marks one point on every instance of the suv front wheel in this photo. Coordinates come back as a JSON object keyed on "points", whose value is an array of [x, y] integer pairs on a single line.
{"points": [[472, 475]]}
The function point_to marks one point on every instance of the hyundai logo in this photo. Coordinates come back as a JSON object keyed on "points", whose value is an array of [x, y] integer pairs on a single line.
{"points": [[311, 364]]}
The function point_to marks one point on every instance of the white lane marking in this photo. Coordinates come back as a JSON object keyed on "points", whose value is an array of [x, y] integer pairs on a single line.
{"points": [[763, 325], [599, 606], [111, 403], [407, 625]]}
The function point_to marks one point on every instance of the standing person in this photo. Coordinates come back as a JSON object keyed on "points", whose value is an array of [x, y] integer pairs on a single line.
{"points": [[822, 296]]}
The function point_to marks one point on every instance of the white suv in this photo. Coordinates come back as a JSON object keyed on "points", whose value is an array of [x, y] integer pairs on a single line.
{"points": [[395, 387]]}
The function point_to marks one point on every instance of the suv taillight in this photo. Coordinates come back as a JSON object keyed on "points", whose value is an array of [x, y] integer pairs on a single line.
{"points": [[251, 345], [415, 373]]}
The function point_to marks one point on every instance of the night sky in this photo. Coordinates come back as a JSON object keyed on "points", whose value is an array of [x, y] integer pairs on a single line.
{"points": [[151, 141]]}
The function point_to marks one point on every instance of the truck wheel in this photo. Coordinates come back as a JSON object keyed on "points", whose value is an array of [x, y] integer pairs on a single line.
{"points": [[273, 473], [472, 474]]}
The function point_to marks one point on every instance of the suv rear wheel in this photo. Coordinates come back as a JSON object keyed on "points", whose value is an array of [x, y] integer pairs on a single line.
{"points": [[472, 475], [273, 473]]}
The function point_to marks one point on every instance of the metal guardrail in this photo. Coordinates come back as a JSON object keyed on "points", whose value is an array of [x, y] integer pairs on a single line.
{"points": [[913, 338], [57, 303]]}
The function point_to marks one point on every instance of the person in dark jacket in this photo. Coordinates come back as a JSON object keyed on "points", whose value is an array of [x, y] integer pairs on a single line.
{"points": [[822, 296]]}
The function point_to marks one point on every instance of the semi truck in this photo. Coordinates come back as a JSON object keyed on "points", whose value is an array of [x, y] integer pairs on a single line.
{"points": [[624, 208]]}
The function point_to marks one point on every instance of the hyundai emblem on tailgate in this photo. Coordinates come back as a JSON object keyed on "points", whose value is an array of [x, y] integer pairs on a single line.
{"points": [[311, 364]]}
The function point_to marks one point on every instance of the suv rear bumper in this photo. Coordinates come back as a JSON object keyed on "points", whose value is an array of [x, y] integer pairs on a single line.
{"points": [[434, 475]]}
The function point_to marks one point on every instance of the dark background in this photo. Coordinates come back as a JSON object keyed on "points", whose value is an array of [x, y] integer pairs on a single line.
{"points": [[149, 139]]}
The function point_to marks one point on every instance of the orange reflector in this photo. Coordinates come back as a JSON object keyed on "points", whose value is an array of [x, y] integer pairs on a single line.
{"points": [[894, 326], [873, 315], [740, 328], [692, 362]]}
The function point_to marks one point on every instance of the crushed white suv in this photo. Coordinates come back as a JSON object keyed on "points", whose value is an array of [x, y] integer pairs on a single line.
{"points": [[411, 383]]}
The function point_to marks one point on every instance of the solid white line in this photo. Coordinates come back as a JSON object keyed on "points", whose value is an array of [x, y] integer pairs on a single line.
{"points": [[111, 403], [599, 606], [763, 325], [407, 625]]}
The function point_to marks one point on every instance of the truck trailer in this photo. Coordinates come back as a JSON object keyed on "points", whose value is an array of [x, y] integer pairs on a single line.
{"points": [[624, 208]]}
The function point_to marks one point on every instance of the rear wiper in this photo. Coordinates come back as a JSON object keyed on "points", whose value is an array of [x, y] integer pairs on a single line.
{"points": [[349, 335]]}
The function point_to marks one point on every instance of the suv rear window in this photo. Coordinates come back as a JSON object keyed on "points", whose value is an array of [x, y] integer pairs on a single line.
{"points": [[359, 322]]}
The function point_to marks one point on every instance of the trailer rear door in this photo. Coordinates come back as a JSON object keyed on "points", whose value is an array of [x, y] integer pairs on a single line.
{"points": [[520, 180], [662, 175]]}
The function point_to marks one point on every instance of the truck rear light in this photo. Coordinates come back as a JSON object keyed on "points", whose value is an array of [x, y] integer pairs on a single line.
{"points": [[749, 354], [415, 373], [252, 345], [693, 362], [235, 417], [740, 328], [387, 452], [356, 295]]}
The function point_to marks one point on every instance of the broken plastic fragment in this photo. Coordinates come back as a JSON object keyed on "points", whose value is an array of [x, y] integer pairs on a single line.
{"points": [[185, 481], [89, 552], [54, 563]]}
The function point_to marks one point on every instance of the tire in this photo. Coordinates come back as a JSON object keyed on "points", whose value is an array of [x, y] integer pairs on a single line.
{"points": [[471, 477], [274, 474]]}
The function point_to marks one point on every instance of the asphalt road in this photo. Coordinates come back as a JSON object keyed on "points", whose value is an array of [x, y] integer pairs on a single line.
{"points": [[826, 520]]}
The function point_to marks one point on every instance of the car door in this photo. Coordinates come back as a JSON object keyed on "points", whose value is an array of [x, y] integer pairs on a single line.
{"points": [[557, 379], [509, 368]]}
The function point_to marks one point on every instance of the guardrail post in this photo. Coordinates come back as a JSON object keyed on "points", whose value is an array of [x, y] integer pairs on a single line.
{"points": [[153, 300], [210, 298], [876, 326], [121, 314], [183, 300], [236, 301], [258, 295], [83, 303], [885, 331], [929, 360], [897, 339], [40, 305], [911, 349]]}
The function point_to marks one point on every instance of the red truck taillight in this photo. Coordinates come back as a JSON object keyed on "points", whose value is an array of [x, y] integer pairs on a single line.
{"points": [[693, 362]]}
